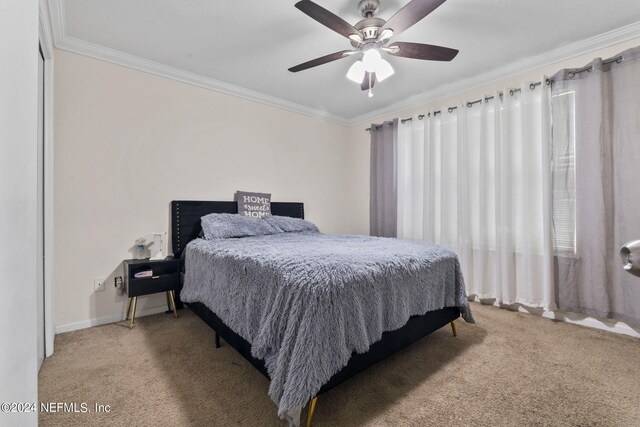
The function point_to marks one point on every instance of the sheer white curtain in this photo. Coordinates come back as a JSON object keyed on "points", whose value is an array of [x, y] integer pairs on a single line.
{"points": [[410, 169], [477, 180], [525, 238], [427, 178]]}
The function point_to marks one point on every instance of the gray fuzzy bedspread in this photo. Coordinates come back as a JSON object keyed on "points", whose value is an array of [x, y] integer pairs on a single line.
{"points": [[307, 301]]}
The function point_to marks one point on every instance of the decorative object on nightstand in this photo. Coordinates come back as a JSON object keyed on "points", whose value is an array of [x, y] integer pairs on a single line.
{"points": [[151, 246], [158, 245], [140, 248], [146, 277]]}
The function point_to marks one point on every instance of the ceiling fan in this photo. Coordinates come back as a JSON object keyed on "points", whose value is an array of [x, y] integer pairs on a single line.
{"points": [[371, 36]]}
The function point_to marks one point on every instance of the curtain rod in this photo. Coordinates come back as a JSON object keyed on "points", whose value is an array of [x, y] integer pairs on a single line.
{"points": [[469, 104], [617, 59]]}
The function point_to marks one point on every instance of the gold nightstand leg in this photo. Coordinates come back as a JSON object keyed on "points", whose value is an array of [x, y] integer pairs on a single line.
{"points": [[171, 296], [312, 411], [133, 311], [453, 328]]}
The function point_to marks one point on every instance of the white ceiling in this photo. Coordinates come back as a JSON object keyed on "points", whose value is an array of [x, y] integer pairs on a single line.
{"points": [[251, 44]]}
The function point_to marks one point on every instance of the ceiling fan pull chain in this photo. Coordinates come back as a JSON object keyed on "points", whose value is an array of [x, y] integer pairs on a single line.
{"points": [[370, 92]]}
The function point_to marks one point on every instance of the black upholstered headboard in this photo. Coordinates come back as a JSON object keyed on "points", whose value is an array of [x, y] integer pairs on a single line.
{"points": [[186, 214]]}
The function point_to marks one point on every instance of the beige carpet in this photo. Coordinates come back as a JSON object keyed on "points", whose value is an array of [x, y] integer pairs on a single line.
{"points": [[510, 369]]}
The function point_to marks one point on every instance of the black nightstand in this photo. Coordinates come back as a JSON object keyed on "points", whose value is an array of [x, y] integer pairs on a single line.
{"points": [[166, 278]]}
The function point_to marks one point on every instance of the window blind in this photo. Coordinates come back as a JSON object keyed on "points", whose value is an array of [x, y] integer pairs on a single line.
{"points": [[563, 175]]}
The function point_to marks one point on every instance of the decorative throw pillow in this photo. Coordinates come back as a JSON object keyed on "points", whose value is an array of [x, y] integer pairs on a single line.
{"points": [[287, 224], [256, 205], [222, 226]]}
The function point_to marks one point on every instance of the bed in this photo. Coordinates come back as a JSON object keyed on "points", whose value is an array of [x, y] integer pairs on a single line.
{"points": [[309, 333]]}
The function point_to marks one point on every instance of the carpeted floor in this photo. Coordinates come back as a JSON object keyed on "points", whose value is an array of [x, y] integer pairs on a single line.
{"points": [[510, 369]]}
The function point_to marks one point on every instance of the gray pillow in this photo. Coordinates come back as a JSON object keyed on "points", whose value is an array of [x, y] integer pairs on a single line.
{"points": [[287, 224], [222, 226], [256, 205]]}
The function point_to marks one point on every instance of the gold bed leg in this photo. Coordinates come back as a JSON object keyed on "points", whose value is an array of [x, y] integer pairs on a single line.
{"points": [[172, 300], [133, 311], [312, 411], [453, 328]]}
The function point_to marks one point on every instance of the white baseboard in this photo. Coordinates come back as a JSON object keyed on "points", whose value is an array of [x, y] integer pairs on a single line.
{"points": [[68, 327], [608, 325], [573, 318]]}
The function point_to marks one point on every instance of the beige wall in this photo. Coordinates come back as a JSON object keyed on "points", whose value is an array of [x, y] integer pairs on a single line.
{"points": [[127, 143]]}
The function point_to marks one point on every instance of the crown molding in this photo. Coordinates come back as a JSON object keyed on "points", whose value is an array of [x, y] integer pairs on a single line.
{"points": [[74, 45], [71, 44], [130, 61], [572, 50]]}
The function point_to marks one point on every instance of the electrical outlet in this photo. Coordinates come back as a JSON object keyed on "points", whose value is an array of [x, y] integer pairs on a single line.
{"points": [[117, 282], [98, 285]]}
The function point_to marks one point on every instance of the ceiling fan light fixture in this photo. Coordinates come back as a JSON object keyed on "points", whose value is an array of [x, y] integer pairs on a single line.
{"points": [[384, 70], [373, 63], [356, 72], [371, 59]]}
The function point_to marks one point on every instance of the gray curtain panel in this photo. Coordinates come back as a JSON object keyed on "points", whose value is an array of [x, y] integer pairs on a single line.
{"points": [[384, 193], [597, 113]]}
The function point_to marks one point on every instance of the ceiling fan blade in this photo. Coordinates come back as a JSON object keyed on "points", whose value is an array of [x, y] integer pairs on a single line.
{"points": [[411, 13], [327, 18], [319, 61], [421, 51], [365, 82]]}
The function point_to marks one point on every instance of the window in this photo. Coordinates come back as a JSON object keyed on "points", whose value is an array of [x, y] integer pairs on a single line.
{"points": [[563, 174]]}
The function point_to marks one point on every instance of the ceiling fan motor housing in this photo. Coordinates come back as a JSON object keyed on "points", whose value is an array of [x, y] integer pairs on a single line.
{"points": [[370, 29], [368, 8]]}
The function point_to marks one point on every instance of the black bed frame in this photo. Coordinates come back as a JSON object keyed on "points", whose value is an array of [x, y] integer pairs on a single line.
{"points": [[185, 226]]}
